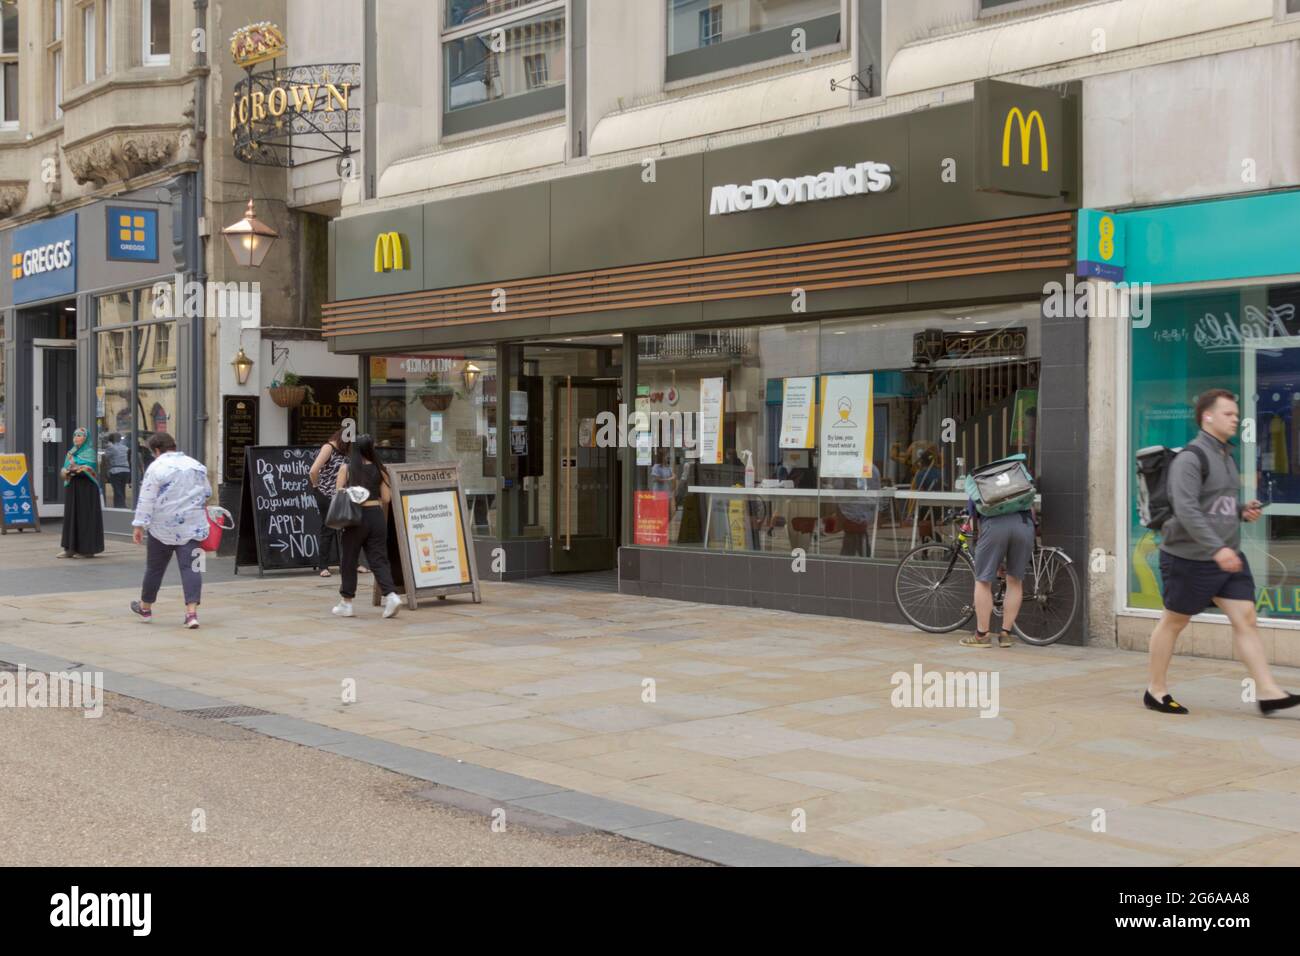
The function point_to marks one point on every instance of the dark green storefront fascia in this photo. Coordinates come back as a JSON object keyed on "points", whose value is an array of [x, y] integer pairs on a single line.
{"points": [[614, 218]]}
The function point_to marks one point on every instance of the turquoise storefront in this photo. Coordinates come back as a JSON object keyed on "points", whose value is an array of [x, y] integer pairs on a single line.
{"points": [[1224, 289]]}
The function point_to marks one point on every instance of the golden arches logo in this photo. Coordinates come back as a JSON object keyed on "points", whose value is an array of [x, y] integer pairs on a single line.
{"points": [[389, 254], [1026, 124]]}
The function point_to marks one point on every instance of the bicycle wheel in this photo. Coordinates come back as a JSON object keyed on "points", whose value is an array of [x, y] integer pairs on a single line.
{"points": [[934, 588], [1051, 598]]}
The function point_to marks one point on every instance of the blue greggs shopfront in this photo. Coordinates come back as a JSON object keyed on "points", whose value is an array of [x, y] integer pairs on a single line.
{"points": [[1224, 289], [91, 341]]}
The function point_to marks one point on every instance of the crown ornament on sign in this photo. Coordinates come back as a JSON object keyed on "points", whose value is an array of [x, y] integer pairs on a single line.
{"points": [[348, 396], [257, 43]]}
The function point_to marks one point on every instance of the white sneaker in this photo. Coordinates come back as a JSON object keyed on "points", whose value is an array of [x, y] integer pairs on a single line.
{"points": [[343, 609], [391, 604]]}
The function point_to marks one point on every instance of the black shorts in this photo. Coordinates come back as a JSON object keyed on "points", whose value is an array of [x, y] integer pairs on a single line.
{"points": [[1191, 586]]}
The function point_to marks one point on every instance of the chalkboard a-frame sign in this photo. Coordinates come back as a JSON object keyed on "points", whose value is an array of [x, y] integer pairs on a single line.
{"points": [[279, 520], [435, 543]]}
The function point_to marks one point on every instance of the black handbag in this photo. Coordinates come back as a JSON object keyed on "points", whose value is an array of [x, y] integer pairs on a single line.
{"points": [[343, 513]]}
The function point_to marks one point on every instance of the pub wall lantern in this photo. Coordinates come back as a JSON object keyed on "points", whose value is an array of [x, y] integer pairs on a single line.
{"points": [[250, 239], [243, 365]]}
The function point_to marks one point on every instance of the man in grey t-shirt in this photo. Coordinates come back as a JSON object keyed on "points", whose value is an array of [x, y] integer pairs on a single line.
{"points": [[1200, 563]]}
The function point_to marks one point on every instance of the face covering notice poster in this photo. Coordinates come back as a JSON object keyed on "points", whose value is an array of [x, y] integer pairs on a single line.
{"points": [[846, 433], [712, 410], [436, 539]]}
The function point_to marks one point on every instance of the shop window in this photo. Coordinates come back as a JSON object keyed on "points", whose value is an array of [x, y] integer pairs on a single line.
{"points": [[502, 67], [844, 438], [705, 37], [431, 408], [156, 18], [1247, 341], [136, 382], [9, 66]]}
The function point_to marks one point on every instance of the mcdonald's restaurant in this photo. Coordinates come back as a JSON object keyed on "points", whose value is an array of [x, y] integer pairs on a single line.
{"points": [[754, 376]]}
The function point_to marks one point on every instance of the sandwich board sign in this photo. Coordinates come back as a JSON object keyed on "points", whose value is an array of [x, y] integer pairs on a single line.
{"points": [[279, 519], [16, 495], [435, 542]]}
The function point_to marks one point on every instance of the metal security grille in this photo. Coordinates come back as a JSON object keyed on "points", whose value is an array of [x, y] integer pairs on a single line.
{"points": [[222, 713]]}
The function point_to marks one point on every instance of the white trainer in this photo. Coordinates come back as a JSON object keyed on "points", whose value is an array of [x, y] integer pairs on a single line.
{"points": [[391, 604], [343, 609]]}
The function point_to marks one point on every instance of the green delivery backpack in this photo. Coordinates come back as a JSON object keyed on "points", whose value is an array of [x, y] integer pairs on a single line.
{"points": [[1001, 487]]}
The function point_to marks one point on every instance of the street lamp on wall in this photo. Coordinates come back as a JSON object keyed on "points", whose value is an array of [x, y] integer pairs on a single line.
{"points": [[471, 374], [250, 239], [243, 366]]}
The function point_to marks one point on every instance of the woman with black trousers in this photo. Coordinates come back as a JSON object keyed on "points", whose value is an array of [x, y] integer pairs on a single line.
{"points": [[333, 456], [366, 471]]}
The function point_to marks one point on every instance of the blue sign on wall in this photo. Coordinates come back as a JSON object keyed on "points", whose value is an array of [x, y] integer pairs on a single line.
{"points": [[44, 261], [132, 234], [1101, 247]]}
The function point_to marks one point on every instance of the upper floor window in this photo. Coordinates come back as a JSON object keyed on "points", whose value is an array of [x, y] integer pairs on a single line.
{"points": [[9, 66], [461, 12], [705, 36], [89, 42], [501, 62], [156, 16], [54, 51], [106, 29]]}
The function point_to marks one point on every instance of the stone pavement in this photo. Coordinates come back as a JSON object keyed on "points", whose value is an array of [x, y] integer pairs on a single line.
{"points": [[760, 720]]}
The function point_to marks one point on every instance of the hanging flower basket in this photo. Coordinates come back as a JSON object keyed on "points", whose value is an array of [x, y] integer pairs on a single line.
{"points": [[437, 403], [288, 396]]}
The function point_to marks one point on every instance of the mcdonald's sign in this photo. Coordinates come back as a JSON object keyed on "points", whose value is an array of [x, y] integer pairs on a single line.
{"points": [[1019, 139], [390, 252], [1026, 127]]}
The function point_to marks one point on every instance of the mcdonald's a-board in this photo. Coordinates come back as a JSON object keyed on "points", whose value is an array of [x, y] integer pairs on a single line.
{"points": [[430, 530], [390, 255], [1020, 139]]}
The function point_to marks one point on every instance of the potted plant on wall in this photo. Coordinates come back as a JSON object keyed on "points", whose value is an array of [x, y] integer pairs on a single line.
{"points": [[434, 395], [289, 392]]}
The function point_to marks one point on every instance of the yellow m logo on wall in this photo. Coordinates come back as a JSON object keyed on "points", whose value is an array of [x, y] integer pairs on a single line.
{"points": [[1026, 125], [389, 254]]}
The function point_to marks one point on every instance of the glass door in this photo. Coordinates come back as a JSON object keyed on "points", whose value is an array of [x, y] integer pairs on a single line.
{"points": [[54, 402], [586, 490], [1270, 465]]}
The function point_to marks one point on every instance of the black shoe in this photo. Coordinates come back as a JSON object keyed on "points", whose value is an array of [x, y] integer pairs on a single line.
{"points": [[1171, 706], [1278, 703]]}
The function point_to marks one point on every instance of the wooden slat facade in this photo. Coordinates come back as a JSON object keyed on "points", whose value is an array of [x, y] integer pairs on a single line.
{"points": [[1008, 245]]}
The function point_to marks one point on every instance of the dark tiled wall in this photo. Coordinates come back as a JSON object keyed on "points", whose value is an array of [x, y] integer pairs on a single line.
{"points": [[857, 589], [1063, 448], [523, 559]]}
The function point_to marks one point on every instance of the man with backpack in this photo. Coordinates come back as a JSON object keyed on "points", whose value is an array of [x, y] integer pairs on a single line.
{"points": [[1197, 512], [1001, 498]]}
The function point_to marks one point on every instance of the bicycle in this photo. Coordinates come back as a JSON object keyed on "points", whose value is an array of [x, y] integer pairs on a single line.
{"points": [[934, 587]]}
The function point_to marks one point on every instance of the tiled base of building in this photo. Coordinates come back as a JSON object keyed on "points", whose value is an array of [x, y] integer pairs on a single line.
{"points": [[1210, 639]]}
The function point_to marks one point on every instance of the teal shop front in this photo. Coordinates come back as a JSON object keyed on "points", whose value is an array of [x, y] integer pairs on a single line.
{"points": [[1225, 288]]}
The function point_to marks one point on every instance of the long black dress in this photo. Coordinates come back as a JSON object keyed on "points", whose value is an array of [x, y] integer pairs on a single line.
{"points": [[83, 518]]}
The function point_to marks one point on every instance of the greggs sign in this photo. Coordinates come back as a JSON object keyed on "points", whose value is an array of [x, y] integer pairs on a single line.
{"points": [[1019, 139], [44, 259]]}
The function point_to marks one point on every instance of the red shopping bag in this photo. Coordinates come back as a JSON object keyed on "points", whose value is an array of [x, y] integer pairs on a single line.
{"points": [[217, 523]]}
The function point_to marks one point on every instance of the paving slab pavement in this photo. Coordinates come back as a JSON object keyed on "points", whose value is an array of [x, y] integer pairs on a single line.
{"points": [[752, 735]]}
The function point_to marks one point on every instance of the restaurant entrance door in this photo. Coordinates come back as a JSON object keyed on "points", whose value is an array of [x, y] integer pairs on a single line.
{"points": [[585, 495]]}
